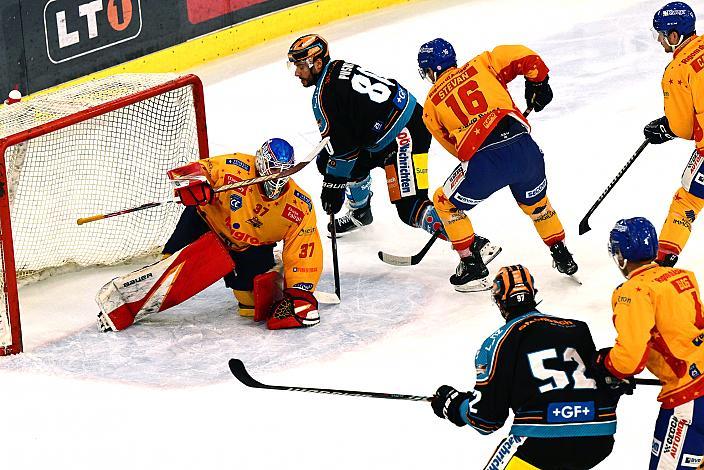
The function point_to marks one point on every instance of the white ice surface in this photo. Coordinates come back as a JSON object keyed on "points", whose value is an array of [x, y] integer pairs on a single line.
{"points": [[159, 394]]}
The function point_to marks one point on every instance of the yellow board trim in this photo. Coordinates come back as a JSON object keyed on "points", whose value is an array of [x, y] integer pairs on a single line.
{"points": [[240, 37]]}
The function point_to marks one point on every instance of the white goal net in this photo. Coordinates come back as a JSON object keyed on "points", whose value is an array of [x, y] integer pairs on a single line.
{"points": [[97, 147]]}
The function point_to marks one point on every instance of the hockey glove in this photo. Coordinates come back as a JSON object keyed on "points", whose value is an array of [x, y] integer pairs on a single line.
{"points": [[197, 194], [446, 404], [606, 380], [333, 194], [297, 309], [658, 131], [538, 94]]}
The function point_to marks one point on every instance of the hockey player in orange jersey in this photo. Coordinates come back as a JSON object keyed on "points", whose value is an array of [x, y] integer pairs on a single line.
{"points": [[683, 90], [659, 320], [470, 112], [236, 229]]}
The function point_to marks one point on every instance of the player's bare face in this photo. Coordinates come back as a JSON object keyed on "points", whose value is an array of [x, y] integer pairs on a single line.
{"points": [[662, 39], [304, 74]]}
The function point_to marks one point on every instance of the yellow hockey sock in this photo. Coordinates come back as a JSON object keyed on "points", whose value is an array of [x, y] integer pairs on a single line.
{"points": [[457, 225], [678, 225], [246, 302], [546, 221]]}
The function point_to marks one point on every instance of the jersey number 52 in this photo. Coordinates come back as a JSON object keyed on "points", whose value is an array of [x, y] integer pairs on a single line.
{"points": [[557, 378]]}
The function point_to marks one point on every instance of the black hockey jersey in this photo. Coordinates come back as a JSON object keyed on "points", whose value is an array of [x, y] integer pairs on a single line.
{"points": [[536, 365], [360, 111]]}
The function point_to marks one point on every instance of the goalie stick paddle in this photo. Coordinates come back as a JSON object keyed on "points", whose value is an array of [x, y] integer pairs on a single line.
{"points": [[409, 260], [259, 179], [584, 223], [240, 372]]}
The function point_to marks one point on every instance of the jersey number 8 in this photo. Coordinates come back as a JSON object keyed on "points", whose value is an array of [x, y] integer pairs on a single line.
{"points": [[558, 378], [378, 92]]}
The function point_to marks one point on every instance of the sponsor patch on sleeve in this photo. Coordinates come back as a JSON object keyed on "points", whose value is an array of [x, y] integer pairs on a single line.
{"points": [[239, 163], [293, 214], [304, 285], [303, 198]]}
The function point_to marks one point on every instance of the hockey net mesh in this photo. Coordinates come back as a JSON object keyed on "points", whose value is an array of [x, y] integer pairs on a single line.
{"points": [[106, 163]]}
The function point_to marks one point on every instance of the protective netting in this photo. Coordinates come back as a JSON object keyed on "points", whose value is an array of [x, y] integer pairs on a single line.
{"points": [[109, 162]]}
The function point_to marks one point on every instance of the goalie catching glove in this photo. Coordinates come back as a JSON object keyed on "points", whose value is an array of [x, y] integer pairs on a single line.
{"points": [[298, 308]]}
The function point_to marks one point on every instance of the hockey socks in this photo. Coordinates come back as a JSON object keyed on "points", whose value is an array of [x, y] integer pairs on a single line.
{"points": [[457, 225], [678, 225], [545, 219]]}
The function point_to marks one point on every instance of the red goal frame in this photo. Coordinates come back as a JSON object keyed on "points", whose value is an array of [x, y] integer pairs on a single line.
{"points": [[9, 273]]}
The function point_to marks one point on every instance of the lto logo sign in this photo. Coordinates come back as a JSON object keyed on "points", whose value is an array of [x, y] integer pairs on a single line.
{"points": [[75, 28]]}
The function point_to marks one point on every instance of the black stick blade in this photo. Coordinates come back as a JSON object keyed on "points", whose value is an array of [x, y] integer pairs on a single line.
{"points": [[584, 226], [240, 372]]}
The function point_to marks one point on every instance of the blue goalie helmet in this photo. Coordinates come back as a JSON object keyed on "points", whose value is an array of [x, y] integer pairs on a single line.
{"points": [[436, 55], [634, 240], [675, 16], [275, 155]]}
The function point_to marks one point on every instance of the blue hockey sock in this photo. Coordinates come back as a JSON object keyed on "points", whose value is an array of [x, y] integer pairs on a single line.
{"points": [[359, 192]]}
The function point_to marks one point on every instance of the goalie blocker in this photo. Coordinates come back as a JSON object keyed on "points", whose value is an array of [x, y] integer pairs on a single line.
{"points": [[130, 298]]}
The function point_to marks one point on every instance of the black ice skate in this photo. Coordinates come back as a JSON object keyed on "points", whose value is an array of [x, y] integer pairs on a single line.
{"points": [[471, 275], [485, 249], [353, 220], [562, 259]]}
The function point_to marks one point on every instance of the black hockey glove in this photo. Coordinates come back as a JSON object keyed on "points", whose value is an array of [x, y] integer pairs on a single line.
{"points": [[658, 131], [333, 194], [321, 161], [538, 94], [446, 404], [615, 386]]}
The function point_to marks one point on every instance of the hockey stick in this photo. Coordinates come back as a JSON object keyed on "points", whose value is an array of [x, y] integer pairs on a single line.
{"points": [[584, 223], [648, 382], [335, 267], [240, 372], [409, 260], [418, 257], [259, 179]]}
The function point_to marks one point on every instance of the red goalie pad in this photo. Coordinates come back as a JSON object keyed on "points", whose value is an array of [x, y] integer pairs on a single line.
{"points": [[268, 289], [127, 299]]}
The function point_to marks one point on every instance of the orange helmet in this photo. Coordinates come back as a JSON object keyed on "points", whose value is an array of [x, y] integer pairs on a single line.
{"points": [[513, 287], [309, 48]]}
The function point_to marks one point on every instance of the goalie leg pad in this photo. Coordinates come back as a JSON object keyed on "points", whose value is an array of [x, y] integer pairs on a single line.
{"points": [[127, 299], [268, 290], [297, 309]]}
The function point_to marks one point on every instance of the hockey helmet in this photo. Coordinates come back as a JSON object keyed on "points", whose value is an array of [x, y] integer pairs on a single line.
{"points": [[437, 55], [675, 16], [513, 287], [308, 48], [633, 239], [275, 155]]}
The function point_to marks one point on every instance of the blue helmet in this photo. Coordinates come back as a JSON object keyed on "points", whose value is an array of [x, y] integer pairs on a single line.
{"points": [[634, 239], [675, 16], [275, 155], [436, 55]]}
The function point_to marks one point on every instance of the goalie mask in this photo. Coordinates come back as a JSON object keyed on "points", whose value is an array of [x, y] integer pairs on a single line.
{"points": [[275, 155], [513, 288]]}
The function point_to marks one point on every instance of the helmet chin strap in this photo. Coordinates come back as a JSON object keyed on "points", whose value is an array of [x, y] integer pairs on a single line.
{"points": [[674, 46]]}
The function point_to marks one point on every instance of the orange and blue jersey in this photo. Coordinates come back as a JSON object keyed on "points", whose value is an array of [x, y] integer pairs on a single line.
{"points": [[466, 103]]}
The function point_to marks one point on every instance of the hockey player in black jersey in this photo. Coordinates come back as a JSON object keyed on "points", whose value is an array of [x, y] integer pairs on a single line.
{"points": [[372, 122], [535, 365]]}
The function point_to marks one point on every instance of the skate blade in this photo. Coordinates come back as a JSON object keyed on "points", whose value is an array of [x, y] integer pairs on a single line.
{"points": [[489, 252], [474, 286], [575, 279]]}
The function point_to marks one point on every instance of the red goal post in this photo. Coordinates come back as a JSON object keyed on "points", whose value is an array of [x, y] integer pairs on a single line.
{"points": [[95, 147]]}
